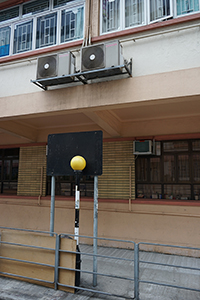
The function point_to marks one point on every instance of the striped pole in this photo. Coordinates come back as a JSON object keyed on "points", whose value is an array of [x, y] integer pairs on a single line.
{"points": [[77, 207], [78, 163]]}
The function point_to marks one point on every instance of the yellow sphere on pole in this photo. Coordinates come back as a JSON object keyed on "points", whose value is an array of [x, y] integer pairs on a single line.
{"points": [[78, 163]]}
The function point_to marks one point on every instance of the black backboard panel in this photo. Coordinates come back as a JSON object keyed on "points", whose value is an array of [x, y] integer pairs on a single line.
{"points": [[64, 146]]}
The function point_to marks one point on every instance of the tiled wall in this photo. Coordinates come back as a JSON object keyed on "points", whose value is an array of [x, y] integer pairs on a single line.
{"points": [[118, 171], [32, 163]]}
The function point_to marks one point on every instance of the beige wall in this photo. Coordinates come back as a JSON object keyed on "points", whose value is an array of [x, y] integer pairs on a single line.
{"points": [[168, 224]]}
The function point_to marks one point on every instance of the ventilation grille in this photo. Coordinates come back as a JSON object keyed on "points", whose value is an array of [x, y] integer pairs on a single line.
{"points": [[9, 14], [36, 6]]}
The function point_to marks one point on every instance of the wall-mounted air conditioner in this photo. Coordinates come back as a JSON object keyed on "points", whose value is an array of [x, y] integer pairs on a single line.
{"points": [[55, 65], [101, 56], [143, 147]]}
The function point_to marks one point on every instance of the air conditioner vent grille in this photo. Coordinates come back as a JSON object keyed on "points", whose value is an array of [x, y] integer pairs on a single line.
{"points": [[93, 57], [47, 66]]}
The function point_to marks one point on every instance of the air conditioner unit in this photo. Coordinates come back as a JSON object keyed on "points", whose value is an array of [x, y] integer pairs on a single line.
{"points": [[143, 147], [55, 65], [101, 56]]}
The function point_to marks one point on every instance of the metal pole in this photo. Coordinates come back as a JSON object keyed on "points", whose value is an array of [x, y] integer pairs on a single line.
{"points": [[95, 230], [136, 272], [52, 204], [77, 207], [57, 247]]}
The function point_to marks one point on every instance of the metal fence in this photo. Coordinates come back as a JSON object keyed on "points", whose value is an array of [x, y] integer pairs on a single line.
{"points": [[122, 265]]}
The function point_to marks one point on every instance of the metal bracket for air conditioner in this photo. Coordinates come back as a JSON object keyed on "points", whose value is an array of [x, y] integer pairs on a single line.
{"points": [[84, 77]]}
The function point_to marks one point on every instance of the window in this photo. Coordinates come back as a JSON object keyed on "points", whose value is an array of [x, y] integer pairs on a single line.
{"points": [[159, 9], [40, 23], [71, 24], [111, 15], [134, 13], [9, 162], [46, 31], [23, 37], [65, 186], [122, 14], [175, 174], [187, 6], [4, 41]]}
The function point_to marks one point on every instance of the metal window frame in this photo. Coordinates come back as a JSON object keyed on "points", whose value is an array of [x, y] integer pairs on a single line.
{"points": [[70, 10], [16, 28]]}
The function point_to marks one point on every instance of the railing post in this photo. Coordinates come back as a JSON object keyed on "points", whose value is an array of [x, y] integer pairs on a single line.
{"points": [[56, 262], [136, 271]]}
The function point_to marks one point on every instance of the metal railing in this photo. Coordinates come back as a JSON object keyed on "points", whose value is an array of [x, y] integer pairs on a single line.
{"points": [[165, 265], [125, 276]]}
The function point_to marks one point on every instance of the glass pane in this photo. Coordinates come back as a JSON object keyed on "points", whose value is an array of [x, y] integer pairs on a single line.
{"points": [[175, 146], [169, 168], [159, 9], [110, 15], [141, 169], [7, 164], [196, 192], [179, 192], [196, 167], [9, 187], [15, 165], [155, 169], [187, 6], [11, 152], [4, 41], [149, 191], [134, 12], [183, 168], [23, 37], [196, 145], [46, 30], [35, 6], [72, 24]]}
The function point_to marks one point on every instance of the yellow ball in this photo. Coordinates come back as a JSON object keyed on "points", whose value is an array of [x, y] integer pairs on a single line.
{"points": [[78, 163]]}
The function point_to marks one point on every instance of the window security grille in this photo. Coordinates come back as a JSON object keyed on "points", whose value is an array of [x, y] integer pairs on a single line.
{"points": [[46, 30], [173, 175], [111, 15], [72, 24], [35, 7], [57, 3], [134, 12], [4, 41], [187, 6], [159, 9], [9, 14], [23, 37]]}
